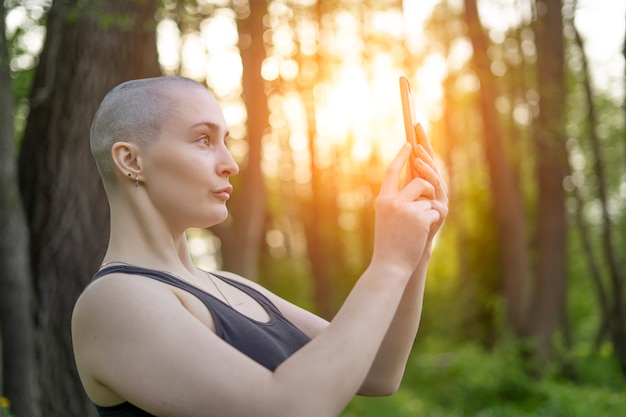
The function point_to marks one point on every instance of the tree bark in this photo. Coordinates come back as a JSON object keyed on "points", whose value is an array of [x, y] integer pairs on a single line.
{"points": [[242, 237], [90, 47], [594, 271], [319, 209], [617, 320], [551, 165], [507, 197], [16, 338], [624, 107]]}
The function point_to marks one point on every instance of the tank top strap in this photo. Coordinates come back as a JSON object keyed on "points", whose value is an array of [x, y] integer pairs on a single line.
{"points": [[255, 294], [267, 343], [151, 273], [207, 299]]}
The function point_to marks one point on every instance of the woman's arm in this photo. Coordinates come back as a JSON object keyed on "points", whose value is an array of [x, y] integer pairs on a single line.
{"points": [[135, 336], [388, 368]]}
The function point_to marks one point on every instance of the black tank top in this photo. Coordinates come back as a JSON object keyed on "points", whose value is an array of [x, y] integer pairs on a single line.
{"points": [[268, 343]]}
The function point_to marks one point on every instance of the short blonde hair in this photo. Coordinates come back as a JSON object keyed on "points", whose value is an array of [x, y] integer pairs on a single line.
{"points": [[134, 111]]}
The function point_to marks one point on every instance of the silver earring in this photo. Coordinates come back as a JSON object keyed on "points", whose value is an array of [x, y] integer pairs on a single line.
{"points": [[136, 181]]}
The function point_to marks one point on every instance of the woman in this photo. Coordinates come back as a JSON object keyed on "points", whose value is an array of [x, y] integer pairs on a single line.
{"points": [[154, 335]]}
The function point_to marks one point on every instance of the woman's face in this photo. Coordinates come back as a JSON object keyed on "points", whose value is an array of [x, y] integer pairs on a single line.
{"points": [[186, 171]]}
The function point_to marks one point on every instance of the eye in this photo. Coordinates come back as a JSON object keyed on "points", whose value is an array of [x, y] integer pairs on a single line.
{"points": [[204, 140]]}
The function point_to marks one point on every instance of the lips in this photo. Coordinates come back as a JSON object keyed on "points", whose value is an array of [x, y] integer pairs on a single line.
{"points": [[224, 193]]}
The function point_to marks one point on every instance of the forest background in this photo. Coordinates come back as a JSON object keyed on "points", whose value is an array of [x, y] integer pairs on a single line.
{"points": [[524, 312]]}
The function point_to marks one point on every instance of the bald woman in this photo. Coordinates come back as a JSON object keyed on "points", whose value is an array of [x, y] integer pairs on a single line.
{"points": [[154, 335]]}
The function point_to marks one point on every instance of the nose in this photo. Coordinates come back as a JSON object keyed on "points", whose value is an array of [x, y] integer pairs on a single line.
{"points": [[227, 166]]}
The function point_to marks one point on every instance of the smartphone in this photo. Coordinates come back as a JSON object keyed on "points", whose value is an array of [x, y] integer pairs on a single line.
{"points": [[408, 111]]}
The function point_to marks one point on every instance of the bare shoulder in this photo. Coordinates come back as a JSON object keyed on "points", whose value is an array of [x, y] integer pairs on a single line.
{"points": [[135, 340], [107, 300], [110, 313], [111, 299], [308, 322]]}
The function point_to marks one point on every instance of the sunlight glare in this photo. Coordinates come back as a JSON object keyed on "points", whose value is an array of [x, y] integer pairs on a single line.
{"points": [[271, 153], [223, 68], [298, 141], [16, 17], [361, 150], [219, 32], [223, 72], [28, 35], [204, 248], [428, 88], [347, 41], [347, 104], [357, 105], [270, 69], [289, 69], [282, 39], [389, 22], [460, 53], [168, 45], [294, 110], [194, 59], [235, 113], [307, 37], [415, 13]]}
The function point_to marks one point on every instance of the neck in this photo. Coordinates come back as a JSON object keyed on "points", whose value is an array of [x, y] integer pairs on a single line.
{"points": [[141, 238]]}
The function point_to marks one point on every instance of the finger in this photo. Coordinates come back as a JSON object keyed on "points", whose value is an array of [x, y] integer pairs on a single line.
{"points": [[411, 172], [432, 216], [392, 174], [440, 207], [429, 174], [427, 158], [427, 211], [421, 152], [422, 139], [417, 189]]}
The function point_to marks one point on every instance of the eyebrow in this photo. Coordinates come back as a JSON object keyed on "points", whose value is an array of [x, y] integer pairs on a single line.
{"points": [[210, 125]]}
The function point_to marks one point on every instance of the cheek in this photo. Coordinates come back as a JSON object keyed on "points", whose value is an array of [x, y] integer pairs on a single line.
{"points": [[183, 183], [180, 169]]}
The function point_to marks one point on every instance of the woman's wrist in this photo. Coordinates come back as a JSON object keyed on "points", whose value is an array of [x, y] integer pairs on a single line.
{"points": [[390, 270]]}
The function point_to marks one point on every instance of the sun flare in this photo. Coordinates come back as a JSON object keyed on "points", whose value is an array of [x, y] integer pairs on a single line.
{"points": [[357, 110]]}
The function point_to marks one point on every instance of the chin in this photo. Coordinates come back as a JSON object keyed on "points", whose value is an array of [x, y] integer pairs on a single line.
{"points": [[216, 218]]}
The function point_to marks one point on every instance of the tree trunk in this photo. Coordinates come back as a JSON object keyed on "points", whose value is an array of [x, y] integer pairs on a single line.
{"points": [[90, 47], [508, 203], [319, 209], [242, 238], [617, 321], [551, 165], [16, 338], [594, 271], [624, 104]]}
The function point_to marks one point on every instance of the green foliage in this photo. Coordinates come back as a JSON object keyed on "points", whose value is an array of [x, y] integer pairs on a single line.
{"points": [[5, 410], [289, 278], [24, 57], [94, 10], [22, 80], [583, 304], [462, 301], [469, 381]]}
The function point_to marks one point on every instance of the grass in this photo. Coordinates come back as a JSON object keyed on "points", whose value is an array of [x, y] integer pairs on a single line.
{"points": [[471, 382]]}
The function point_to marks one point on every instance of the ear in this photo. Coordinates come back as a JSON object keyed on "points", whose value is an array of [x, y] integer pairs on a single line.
{"points": [[126, 157]]}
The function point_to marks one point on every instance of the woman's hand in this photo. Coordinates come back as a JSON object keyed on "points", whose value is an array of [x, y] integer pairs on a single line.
{"points": [[404, 216], [424, 166]]}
